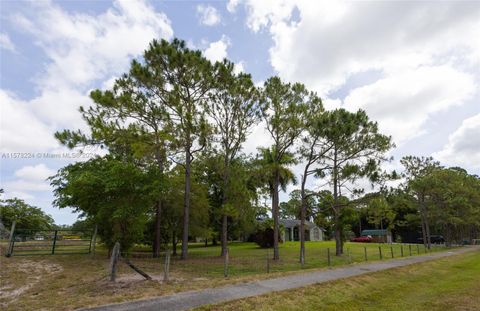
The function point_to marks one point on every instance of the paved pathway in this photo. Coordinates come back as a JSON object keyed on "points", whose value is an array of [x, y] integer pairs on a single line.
{"points": [[191, 299]]}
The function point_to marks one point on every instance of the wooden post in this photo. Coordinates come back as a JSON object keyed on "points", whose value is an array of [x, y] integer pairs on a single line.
{"points": [[365, 251], [380, 252], [93, 242], [328, 257], [11, 240], [225, 263], [391, 250], [166, 268], [136, 269], [410, 249], [54, 242], [113, 261]]}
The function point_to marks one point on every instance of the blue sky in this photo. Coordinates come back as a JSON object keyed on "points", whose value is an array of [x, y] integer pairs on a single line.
{"points": [[413, 66]]}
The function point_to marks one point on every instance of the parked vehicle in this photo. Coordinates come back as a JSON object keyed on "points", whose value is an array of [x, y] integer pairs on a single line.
{"points": [[434, 239], [364, 239]]}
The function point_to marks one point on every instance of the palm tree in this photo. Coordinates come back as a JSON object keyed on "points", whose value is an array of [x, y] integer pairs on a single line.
{"points": [[271, 170]]}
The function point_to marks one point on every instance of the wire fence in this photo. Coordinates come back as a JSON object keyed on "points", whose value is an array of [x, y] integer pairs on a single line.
{"points": [[28, 242], [242, 263]]}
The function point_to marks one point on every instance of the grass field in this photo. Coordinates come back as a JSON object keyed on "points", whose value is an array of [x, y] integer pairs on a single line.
{"points": [[249, 259], [37, 282], [451, 283]]}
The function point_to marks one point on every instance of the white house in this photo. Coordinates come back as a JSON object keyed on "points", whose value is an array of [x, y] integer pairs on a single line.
{"points": [[292, 226]]}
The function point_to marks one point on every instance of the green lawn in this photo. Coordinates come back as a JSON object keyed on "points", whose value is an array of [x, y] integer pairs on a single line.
{"points": [[445, 284], [36, 282], [249, 259]]}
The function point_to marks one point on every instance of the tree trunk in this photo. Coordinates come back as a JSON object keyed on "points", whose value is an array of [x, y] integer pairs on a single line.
{"points": [[338, 237], [336, 209], [224, 236], [174, 243], [186, 204], [427, 227], [425, 224], [157, 233], [276, 227], [424, 231], [160, 158], [302, 218]]}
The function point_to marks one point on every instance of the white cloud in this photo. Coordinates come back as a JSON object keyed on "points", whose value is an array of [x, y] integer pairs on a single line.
{"points": [[6, 43], [232, 5], [20, 129], [332, 41], [216, 51], [83, 51], [29, 179], [239, 67], [38, 172], [208, 15], [463, 147], [424, 54], [403, 102]]}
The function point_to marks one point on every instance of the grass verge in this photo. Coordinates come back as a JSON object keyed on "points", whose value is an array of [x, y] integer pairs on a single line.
{"points": [[450, 283], [66, 282]]}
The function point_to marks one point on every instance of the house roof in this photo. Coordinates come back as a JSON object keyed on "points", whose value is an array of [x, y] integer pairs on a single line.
{"points": [[374, 232], [291, 223]]}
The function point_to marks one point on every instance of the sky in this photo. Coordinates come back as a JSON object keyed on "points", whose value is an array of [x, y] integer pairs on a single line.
{"points": [[414, 66]]}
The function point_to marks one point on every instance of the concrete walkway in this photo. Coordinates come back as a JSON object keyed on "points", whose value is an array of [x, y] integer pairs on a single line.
{"points": [[191, 299]]}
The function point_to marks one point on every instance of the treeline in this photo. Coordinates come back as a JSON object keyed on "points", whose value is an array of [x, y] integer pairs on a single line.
{"points": [[25, 216], [175, 126], [430, 201]]}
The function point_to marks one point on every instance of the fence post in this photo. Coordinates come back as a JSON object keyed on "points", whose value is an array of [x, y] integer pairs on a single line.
{"points": [[391, 250], [54, 242], [365, 251], [113, 261], [166, 268], [380, 252], [225, 264], [401, 250], [93, 242], [11, 240], [268, 261], [410, 249], [328, 257]]}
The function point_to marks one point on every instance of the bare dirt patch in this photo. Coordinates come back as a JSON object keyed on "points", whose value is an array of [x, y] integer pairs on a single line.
{"points": [[29, 273]]}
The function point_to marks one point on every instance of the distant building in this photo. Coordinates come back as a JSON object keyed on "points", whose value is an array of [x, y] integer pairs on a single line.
{"points": [[292, 230], [378, 235]]}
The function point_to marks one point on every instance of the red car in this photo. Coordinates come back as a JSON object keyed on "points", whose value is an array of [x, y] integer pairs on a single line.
{"points": [[364, 239]]}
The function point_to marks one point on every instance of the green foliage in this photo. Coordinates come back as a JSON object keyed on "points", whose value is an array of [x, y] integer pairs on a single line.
{"points": [[380, 213], [114, 193], [26, 216], [173, 206], [269, 164], [353, 149], [240, 191], [291, 208]]}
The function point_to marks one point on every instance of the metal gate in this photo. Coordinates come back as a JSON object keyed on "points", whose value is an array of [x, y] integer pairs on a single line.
{"points": [[30, 242]]}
